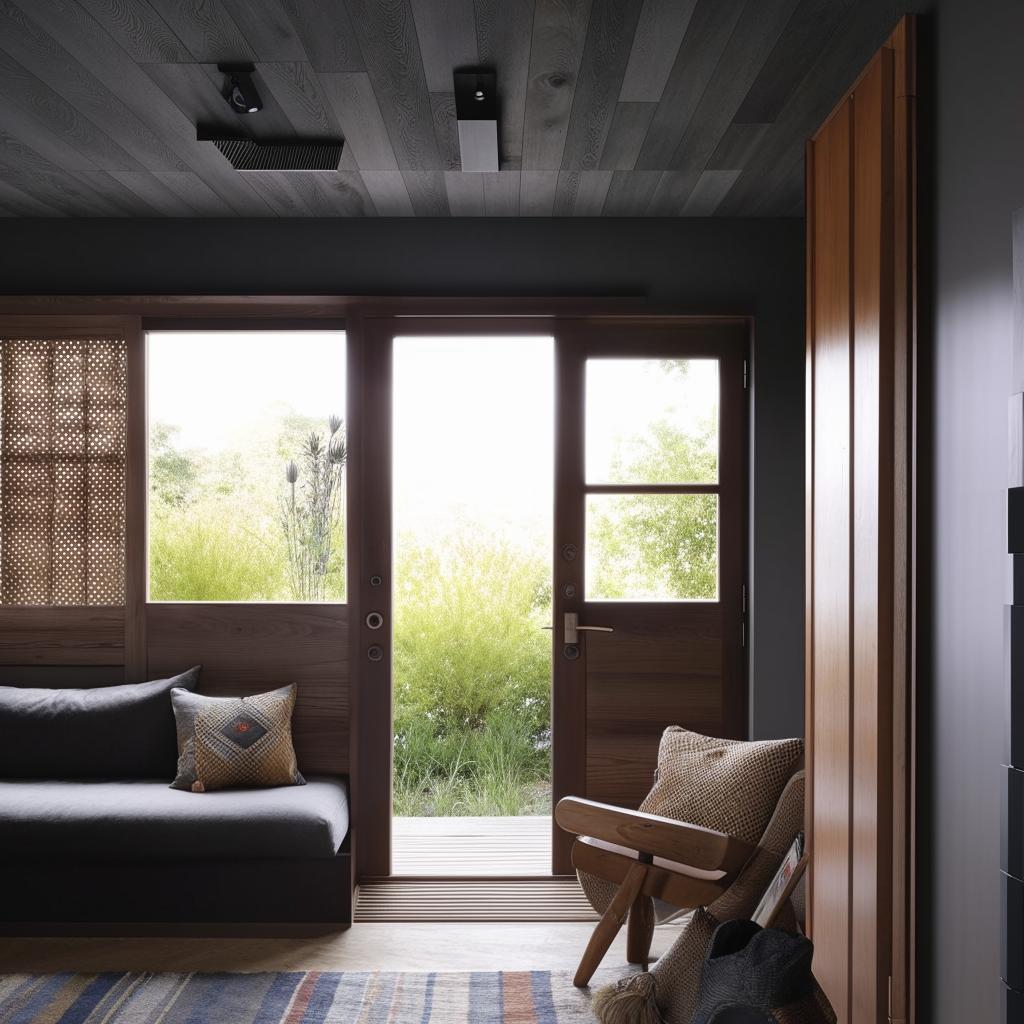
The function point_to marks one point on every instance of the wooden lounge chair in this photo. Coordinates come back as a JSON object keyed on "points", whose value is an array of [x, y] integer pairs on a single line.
{"points": [[650, 857]]}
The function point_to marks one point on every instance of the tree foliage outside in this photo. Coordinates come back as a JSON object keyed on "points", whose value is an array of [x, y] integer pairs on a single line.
{"points": [[645, 546], [217, 525], [472, 672]]}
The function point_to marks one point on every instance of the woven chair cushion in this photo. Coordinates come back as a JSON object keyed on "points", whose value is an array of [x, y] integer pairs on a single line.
{"points": [[235, 741], [732, 786]]}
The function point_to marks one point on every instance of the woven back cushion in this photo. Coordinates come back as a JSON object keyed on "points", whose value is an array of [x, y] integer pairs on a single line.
{"points": [[731, 786], [235, 741], [100, 732]]}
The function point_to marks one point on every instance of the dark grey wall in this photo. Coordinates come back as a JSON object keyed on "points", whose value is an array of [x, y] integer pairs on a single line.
{"points": [[698, 266], [971, 181]]}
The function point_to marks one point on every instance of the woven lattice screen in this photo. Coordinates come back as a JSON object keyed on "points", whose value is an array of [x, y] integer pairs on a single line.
{"points": [[62, 471]]}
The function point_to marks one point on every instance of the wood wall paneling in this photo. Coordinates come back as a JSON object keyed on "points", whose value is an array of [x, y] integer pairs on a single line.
{"points": [[250, 648], [830, 759], [89, 636], [860, 541]]}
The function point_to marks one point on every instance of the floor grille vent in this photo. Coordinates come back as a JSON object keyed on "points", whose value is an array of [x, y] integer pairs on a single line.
{"points": [[472, 899]]}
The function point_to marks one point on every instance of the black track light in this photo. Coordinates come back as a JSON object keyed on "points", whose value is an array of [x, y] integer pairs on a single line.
{"points": [[239, 91]]}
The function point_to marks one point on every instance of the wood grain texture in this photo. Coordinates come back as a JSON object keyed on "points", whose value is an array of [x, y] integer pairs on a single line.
{"points": [[831, 650], [138, 30], [610, 31], [252, 648], [136, 487], [679, 841], [559, 31], [390, 47], [626, 135], [356, 109], [661, 884], [388, 191], [873, 555], [62, 636], [628, 86], [659, 35], [742, 58], [207, 30], [326, 33], [859, 627], [504, 31], [705, 41], [446, 30]]}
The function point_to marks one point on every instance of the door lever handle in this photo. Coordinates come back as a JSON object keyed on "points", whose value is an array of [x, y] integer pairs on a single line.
{"points": [[573, 628]]}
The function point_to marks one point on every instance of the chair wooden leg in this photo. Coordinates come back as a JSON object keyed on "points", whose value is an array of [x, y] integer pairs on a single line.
{"points": [[640, 931], [610, 924]]}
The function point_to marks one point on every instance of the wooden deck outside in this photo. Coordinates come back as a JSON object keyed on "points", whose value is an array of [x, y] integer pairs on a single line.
{"points": [[433, 847]]}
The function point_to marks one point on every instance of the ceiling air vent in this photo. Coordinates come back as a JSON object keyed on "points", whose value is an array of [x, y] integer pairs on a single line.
{"points": [[297, 155]]}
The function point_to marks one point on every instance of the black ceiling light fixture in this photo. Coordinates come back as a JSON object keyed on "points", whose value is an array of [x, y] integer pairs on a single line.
{"points": [[242, 96], [245, 153], [476, 108]]}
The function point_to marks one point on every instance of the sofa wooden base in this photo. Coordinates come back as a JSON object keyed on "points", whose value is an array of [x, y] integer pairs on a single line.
{"points": [[224, 898]]}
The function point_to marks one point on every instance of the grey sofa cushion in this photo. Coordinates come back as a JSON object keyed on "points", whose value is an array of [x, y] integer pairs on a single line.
{"points": [[146, 820], [100, 732]]}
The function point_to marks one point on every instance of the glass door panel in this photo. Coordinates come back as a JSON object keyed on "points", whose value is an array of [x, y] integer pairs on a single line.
{"points": [[472, 482]]}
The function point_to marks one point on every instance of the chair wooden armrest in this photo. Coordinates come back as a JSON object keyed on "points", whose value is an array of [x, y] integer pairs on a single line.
{"points": [[650, 834]]}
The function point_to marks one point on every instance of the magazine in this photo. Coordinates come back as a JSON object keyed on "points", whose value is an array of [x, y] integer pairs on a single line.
{"points": [[782, 884]]}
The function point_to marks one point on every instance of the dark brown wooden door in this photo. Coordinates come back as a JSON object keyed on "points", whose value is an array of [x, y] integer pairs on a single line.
{"points": [[668, 660], [650, 547]]}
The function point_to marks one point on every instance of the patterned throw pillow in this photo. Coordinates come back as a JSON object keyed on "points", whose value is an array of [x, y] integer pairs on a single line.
{"points": [[235, 741], [731, 786]]}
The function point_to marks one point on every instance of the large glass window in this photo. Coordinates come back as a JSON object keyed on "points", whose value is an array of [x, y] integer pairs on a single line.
{"points": [[651, 475], [247, 458]]}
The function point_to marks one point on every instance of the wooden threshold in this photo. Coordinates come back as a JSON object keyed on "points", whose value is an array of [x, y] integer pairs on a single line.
{"points": [[472, 899], [471, 847]]}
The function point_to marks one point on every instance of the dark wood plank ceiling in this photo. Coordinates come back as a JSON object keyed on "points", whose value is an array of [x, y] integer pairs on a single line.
{"points": [[607, 107]]}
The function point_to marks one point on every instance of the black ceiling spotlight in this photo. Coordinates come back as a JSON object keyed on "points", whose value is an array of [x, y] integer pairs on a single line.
{"points": [[476, 107], [239, 91]]}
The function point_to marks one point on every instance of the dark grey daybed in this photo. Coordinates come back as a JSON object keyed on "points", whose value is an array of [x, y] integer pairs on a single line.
{"points": [[126, 854]]}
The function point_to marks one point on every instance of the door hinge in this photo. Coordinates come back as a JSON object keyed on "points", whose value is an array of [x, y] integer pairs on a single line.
{"points": [[746, 376], [890, 999], [744, 599], [743, 634]]}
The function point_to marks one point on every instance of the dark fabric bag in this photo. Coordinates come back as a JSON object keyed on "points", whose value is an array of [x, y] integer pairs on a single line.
{"points": [[755, 975]]}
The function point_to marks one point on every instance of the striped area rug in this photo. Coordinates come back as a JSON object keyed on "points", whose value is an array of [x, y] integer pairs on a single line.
{"points": [[313, 997]]}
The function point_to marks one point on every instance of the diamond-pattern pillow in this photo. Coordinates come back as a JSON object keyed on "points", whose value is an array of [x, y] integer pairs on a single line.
{"points": [[235, 741]]}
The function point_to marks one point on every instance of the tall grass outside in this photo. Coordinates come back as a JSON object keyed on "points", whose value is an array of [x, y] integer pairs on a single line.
{"points": [[258, 516]]}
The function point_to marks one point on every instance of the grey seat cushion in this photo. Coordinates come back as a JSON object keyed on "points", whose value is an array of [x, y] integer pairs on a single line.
{"points": [[146, 820]]}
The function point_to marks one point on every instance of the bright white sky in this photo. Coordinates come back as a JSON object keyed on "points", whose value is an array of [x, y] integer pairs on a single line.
{"points": [[217, 386], [474, 417]]}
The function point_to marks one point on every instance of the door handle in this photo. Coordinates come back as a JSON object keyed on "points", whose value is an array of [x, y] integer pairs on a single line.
{"points": [[573, 628]]}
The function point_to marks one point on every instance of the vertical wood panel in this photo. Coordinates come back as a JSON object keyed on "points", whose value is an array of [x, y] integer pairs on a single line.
{"points": [[135, 662], [370, 372], [872, 541], [830, 897], [859, 628]]}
